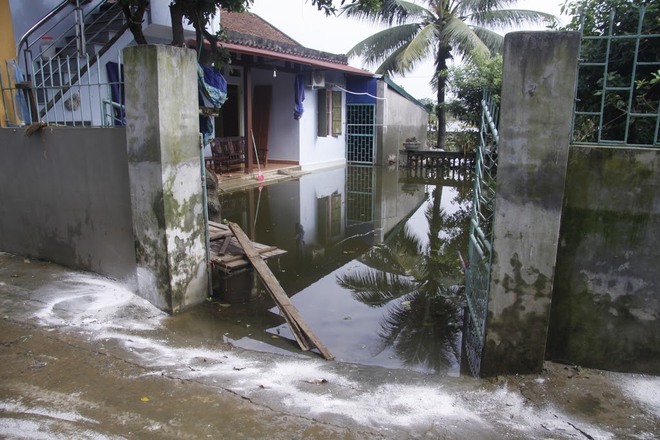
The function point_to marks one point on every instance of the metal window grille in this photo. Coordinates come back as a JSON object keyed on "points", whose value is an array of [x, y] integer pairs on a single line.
{"points": [[360, 133], [618, 80], [359, 194]]}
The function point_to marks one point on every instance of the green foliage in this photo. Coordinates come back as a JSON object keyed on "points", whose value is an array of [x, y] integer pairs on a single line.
{"points": [[438, 29], [622, 87], [468, 81]]}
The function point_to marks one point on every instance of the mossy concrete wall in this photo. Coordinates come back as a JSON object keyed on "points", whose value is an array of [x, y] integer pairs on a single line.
{"points": [[162, 135], [535, 117], [606, 301]]}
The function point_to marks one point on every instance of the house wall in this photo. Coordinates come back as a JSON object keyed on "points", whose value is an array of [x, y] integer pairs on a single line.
{"points": [[361, 85], [317, 152], [160, 26], [24, 14], [64, 197], [400, 119]]}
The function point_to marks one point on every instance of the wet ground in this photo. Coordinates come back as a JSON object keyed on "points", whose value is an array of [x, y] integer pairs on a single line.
{"points": [[83, 357]]}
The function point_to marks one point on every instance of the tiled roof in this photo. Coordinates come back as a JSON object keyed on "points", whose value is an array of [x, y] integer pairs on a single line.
{"points": [[250, 30]]}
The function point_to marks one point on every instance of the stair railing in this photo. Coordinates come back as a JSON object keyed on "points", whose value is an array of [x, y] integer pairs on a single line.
{"points": [[45, 26], [52, 69]]}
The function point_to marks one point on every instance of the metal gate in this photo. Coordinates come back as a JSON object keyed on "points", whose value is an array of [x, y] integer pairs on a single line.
{"points": [[480, 247], [360, 133]]}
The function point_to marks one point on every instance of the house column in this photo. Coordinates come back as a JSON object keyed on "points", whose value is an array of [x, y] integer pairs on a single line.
{"points": [[248, 93], [162, 133], [539, 75]]}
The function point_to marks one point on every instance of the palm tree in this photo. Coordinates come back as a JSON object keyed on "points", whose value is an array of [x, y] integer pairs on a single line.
{"points": [[436, 28]]}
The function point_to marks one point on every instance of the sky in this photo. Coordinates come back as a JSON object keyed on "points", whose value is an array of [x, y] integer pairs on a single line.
{"points": [[300, 20]]}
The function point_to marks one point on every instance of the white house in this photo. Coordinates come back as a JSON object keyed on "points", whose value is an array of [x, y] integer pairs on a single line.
{"points": [[349, 114]]}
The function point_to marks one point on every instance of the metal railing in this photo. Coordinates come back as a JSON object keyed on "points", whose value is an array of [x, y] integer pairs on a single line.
{"points": [[480, 246], [60, 80], [76, 92], [618, 80]]}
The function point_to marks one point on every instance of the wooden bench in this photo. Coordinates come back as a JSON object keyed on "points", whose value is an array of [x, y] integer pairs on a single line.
{"points": [[228, 153]]}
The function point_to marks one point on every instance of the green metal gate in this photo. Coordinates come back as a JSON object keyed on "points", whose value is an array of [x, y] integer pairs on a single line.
{"points": [[360, 133], [480, 247]]}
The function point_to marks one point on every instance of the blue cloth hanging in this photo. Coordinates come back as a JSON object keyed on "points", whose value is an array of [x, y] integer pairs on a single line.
{"points": [[299, 96], [115, 78], [212, 87], [212, 92]]}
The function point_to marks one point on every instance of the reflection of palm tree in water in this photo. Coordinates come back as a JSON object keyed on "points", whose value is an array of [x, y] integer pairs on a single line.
{"points": [[414, 280]]}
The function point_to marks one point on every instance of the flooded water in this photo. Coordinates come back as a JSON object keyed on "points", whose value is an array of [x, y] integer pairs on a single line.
{"points": [[372, 265]]}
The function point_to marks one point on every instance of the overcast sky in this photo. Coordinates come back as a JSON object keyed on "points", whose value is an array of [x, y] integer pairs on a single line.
{"points": [[311, 28]]}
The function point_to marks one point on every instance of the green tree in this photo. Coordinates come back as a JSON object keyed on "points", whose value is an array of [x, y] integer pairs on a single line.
{"points": [[625, 93], [198, 13], [436, 28], [466, 84]]}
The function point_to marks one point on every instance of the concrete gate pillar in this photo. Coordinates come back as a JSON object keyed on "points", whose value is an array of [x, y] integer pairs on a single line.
{"points": [[162, 133], [539, 77]]}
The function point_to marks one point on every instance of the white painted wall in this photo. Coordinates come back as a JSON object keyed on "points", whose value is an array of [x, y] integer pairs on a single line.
{"points": [[319, 152], [283, 139]]}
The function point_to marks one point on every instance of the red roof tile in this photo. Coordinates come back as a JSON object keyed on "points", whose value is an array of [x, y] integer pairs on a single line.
{"points": [[250, 24]]}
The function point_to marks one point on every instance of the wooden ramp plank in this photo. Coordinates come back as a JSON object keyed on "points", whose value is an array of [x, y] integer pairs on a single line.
{"points": [[299, 328]]}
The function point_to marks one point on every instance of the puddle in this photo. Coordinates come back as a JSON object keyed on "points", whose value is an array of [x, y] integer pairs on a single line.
{"points": [[372, 265]]}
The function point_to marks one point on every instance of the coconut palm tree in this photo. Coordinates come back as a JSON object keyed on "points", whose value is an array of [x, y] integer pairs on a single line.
{"points": [[437, 28]]}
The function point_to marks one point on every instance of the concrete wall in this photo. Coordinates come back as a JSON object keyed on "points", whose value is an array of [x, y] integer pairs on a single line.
{"points": [[164, 170], [64, 197], [400, 119], [539, 74], [606, 302]]}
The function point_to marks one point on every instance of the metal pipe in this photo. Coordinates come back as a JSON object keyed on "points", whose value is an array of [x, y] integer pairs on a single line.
{"points": [[206, 217]]}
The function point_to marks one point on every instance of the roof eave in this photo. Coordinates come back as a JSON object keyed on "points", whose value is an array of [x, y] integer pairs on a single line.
{"points": [[247, 50]]}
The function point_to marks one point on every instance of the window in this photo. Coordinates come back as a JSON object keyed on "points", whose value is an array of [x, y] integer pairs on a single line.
{"points": [[329, 106]]}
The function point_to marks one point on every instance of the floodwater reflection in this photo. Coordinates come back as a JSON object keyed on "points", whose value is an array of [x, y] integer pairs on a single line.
{"points": [[373, 266]]}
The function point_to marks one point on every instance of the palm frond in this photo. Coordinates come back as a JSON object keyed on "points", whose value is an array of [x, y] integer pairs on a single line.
{"points": [[463, 38], [468, 7], [390, 64], [491, 39], [425, 333], [508, 18], [383, 258], [383, 44], [418, 48], [376, 289], [390, 12]]}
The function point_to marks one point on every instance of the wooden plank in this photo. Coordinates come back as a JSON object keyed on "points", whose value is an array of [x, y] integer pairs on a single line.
{"points": [[218, 235], [225, 245], [299, 328], [218, 225]]}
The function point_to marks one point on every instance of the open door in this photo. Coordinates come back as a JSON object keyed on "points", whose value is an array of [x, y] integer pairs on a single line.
{"points": [[261, 120]]}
